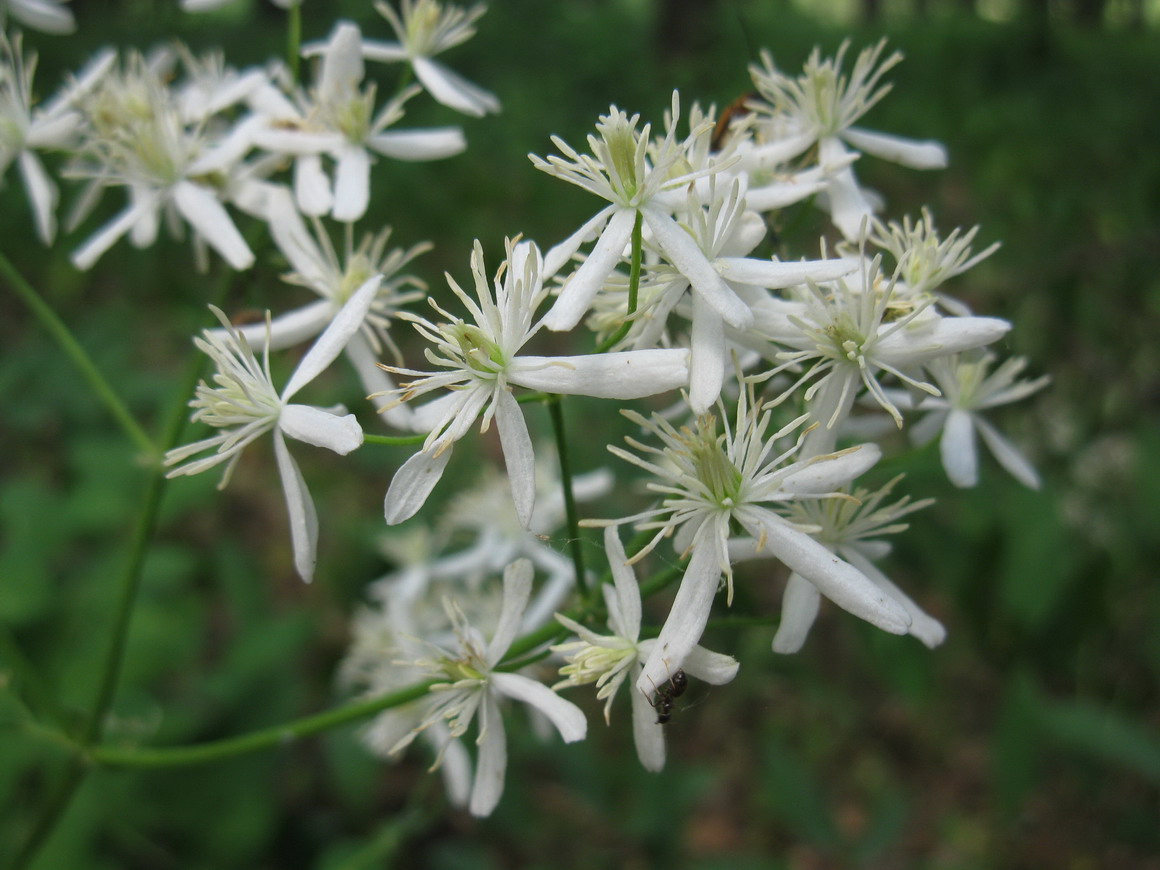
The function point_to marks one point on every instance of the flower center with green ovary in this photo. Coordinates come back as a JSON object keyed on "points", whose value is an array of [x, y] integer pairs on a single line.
{"points": [[620, 139], [714, 469], [480, 353], [461, 669], [358, 272]]}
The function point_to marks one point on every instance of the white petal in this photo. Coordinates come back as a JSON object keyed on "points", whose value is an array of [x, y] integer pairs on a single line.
{"points": [[908, 347], [294, 239], [686, 620], [373, 49], [627, 590], [430, 415], [492, 765], [412, 484], [375, 380], [518, 456], [311, 185], [707, 356], [517, 588], [849, 207], [566, 716], [330, 344], [560, 254], [688, 259], [342, 65], [321, 428], [799, 609], [435, 143], [352, 184], [631, 374], [925, 627], [715, 669], [1018, 465], [453, 90], [87, 254], [299, 505], [456, 766], [648, 736], [583, 284], [828, 473], [839, 581], [42, 193], [898, 149], [775, 275], [213, 223], [286, 330], [43, 15], [957, 447]]}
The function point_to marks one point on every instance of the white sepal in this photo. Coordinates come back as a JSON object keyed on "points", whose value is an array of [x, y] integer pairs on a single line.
{"points": [[414, 481], [300, 507], [799, 609], [568, 719], [330, 344], [320, 427]]}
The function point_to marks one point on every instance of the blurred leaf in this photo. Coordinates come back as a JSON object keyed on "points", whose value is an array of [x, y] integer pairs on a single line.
{"points": [[1106, 734], [1015, 745]]}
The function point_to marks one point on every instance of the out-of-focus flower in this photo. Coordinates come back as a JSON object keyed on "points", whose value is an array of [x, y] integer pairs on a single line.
{"points": [[49, 16]]}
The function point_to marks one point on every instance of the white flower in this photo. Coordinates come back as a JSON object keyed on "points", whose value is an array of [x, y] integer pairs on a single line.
{"points": [[608, 660], [634, 175], [244, 403], [341, 122], [426, 28], [471, 683], [49, 16], [53, 125], [481, 361], [967, 390], [140, 139], [848, 527], [820, 106], [711, 481]]}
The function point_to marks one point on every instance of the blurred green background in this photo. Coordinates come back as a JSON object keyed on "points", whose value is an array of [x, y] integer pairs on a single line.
{"points": [[1031, 739]]}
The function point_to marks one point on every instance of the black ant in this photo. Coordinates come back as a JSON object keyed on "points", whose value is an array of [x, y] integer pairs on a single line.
{"points": [[667, 694]]}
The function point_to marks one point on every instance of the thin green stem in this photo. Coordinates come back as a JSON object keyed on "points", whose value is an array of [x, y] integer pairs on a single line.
{"points": [[394, 440], [633, 290], [556, 411], [294, 40], [79, 356]]}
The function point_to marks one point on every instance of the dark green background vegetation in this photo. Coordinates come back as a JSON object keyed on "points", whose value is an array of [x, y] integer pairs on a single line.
{"points": [[1031, 739]]}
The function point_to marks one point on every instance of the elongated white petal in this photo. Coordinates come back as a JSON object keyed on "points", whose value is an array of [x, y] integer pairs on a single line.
{"points": [[688, 259], [838, 580], [775, 275], [373, 49], [491, 767], [517, 588], [648, 736], [560, 254], [213, 223], [923, 626], [686, 620], [927, 428], [436, 143], [352, 184], [832, 471], [716, 669], [1008, 455], [566, 716], [580, 288], [773, 154], [898, 149], [375, 380], [286, 330], [627, 590], [312, 186], [908, 347], [43, 15], [412, 484], [957, 448], [707, 356], [630, 374], [319, 427], [518, 456], [799, 609], [293, 238], [456, 766], [87, 254], [342, 65], [300, 507], [452, 90], [330, 344], [299, 143], [42, 193]]}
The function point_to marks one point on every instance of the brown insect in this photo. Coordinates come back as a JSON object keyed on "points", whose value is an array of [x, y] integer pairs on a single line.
{"points": [[739, 108]]}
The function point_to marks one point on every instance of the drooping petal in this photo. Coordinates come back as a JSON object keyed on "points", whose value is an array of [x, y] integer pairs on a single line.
{"points": [[627, 590], [330, 344], [518, 455], [850, 209], [580, 288], [44, 16], [517, 588], [898, 149], [321, 428], [707, 356], [375, 380], [566, 716], [299, 505], [452, 90], [775, 275], [87, 254], [631, 374], [831, 471], [312, 186], [799, 609], [925, 627], [1008, 455], [716, 669], [648, 736], [957, 448], [491, 767], [560, 254], [352, 183], [42, 193], [213, 223], [435, 143], [342, 65], [413, 482], [838, 580], [687, 258]]}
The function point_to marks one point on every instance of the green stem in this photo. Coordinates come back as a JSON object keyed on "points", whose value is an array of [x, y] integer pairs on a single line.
{"points": [[394, 440], [555, 409], [294, 40], [278, 735], [79, 357], [633, 290]]}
